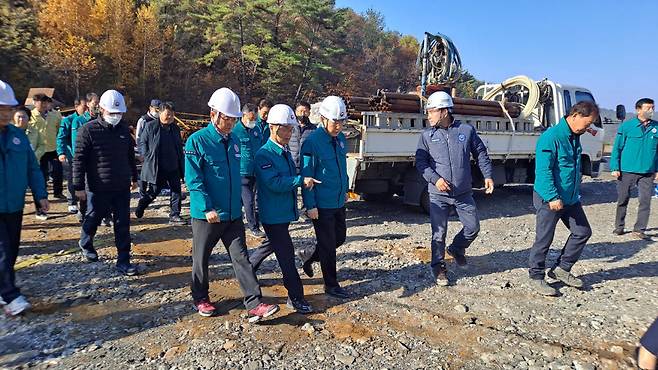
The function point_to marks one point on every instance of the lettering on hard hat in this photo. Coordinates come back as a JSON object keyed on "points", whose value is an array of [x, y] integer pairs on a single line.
{"points": [[462, 137], [17, 141]]}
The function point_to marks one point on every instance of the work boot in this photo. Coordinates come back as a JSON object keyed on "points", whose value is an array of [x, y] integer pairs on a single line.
{"points": [[139, 212], [565, 276], [458, 257], [542, 287], [440, 274], [73, 209], [257, 233], [618, 231]]}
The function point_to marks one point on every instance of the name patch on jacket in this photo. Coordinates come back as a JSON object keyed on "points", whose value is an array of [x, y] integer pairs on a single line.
{"points": [[266, 166], [191, 152]]}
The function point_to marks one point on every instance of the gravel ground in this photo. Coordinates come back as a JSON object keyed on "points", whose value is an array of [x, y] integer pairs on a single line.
{"points": [[88, 316]]}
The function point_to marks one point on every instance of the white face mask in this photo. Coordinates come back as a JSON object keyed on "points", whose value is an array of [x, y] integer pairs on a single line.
{"points": [[250, 124], [112, 119]]}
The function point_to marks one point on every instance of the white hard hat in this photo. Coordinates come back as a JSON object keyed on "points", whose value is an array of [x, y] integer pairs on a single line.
{"points": [[112, 101], [282, 114], [7, 96], [225, 101], [438, 100], [333, 108]]}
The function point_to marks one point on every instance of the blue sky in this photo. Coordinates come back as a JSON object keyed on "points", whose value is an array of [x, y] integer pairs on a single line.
{"points": [[609, 47]]}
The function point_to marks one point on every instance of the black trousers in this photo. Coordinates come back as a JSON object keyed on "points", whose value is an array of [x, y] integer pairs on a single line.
{"points": [[330, 233], [170, 179], [279, 242], [645, 187], [52, 167], [573, 217], [10, 236], [204, 238], [102, 204], [249, 201]]}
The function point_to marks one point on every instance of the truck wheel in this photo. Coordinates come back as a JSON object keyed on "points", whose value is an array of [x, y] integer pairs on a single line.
{"points": [[377, 197], [425, 201]]}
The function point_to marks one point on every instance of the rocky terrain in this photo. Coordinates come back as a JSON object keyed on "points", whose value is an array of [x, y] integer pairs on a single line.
{"points": [[87, 316]]}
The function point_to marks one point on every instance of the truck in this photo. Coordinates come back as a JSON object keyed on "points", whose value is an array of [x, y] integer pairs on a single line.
{"points": [[382, 145]]}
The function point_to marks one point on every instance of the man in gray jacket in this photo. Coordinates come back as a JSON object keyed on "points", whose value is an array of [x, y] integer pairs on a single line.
{"points": [[443, 158], [300, 132]]}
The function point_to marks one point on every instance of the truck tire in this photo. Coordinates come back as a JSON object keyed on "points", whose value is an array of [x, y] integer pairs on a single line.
{"points": [[425, 201]]}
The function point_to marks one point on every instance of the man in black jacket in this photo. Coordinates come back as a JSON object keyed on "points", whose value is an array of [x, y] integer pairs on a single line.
{"points": [[301, 132], [105, 160], [161, 147]]}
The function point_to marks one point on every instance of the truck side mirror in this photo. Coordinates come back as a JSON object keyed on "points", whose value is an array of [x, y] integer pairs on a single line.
{"points": [[621, 112]]}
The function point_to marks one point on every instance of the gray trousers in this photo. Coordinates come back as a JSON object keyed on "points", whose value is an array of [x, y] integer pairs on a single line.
{"points": [[644, 183], [440, 207], [573, 217], [204, 238]]}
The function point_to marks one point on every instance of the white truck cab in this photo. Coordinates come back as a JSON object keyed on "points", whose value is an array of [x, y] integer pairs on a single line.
{"points": [[382, 146]]}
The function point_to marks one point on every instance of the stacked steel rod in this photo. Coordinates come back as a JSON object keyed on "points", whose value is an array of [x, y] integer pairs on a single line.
{"points": [[385, 101]]}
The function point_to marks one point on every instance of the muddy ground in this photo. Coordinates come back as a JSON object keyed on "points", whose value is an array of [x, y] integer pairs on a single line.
{"points": [[87, 316]]}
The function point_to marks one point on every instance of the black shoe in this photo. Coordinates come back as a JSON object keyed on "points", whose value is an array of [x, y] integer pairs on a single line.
{"points": [[59, 196], [177, 221], [337, 292], [440, 274], [308, 268], [89, 254], [127, 269], [139, 213], [106, 222], [459, 258], [299, 305], [618, 231]]}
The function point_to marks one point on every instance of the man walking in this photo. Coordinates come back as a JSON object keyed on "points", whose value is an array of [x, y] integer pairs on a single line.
{"points": [[634, 162], [18, 170], [443, 158], [104, 162], [557, 197], [65, 147], [162, 149], [212, 175], [251, 139]]}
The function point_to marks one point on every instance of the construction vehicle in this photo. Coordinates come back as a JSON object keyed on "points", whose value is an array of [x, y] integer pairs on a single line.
{"points": [[509, 118]]}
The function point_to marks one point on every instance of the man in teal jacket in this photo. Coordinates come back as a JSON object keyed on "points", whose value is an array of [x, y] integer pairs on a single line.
{"points": [[251, 139], [634, 162], [18, 170], [261, 121], [212, 175], [65, 142], [324, 157], [557, 197], [277, 181]]}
